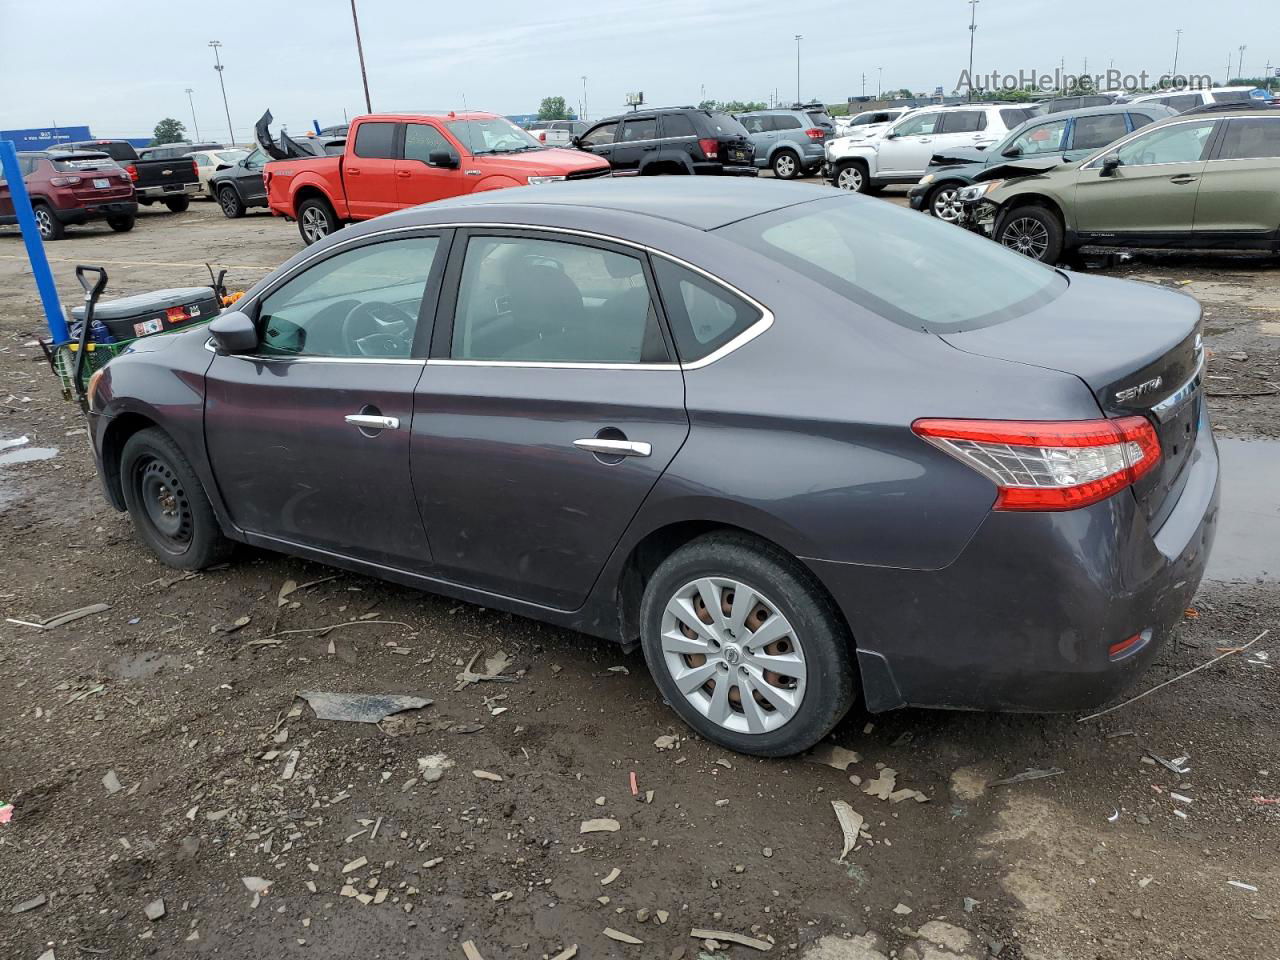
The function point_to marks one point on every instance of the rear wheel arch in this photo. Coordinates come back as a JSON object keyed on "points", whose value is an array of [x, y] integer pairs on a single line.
{"points": [[303, 194]]}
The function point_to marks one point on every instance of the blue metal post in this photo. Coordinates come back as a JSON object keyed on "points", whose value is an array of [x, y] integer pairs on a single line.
{"points": [[35, 246]]}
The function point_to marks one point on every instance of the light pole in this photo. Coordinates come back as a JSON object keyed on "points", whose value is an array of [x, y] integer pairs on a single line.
{"points": [[798, 39], [584, 96], [879, 78], [1240, 63], [217, 60], [194, 122], [1177, 45], [364, 77], [973, 28]]}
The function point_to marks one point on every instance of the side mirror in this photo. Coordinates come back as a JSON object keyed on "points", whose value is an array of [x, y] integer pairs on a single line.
{"points": [[234, 332], [442, 158], [1110, 164], [1013, 151], [891, 135]]}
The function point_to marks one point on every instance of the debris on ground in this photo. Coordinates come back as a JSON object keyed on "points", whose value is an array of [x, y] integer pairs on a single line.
{"points": [[6, 812], [1239, 885], [493, 668], [882, 785], [1177, 765], [66, 617], [621, 937], [27, 905], [431, 768], [486, 775], [850, 825], [612, 876], [1026, 775], [568, 953], [833, 756], [112, 782], [256, 884], [666, 742], [360, 707], [154, 910], [469, 950], [902, 909], [599, 825], [724, 936], [292, 586]]}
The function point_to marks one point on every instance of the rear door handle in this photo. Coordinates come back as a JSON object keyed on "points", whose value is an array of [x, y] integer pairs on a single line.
{"points": [[368, 422], [615, 448], [1183, 178], [350, 170]]}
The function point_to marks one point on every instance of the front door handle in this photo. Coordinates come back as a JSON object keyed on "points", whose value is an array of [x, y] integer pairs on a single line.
{"points": [[367, 422], [351, 170], [614, 448], [1184, 178], [403, 173]]}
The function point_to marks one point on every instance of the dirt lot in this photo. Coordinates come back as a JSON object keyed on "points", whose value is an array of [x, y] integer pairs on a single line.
{"points": [[183, 694]]}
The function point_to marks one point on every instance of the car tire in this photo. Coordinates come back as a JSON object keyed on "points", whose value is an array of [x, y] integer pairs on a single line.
{"points": [[852, 175], [1033, 231], [808, 632], [121, 224], [229, 200], [316, 220], [943, 202], [167, 503], [47, 223], [786, 165], [178, 204]]}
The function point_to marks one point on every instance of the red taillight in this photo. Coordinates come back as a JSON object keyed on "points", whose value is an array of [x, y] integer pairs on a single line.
{"points": [[195, 169], [64, 181], [710, 148], [542, 135], [1049, 464], [132, 171], [815, 133]]}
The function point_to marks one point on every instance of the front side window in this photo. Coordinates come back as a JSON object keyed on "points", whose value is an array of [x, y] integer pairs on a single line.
{"points": [[644, 128], [704, 315], [359, 303], [600, 135], [421, 140], [1179, 143], [255, 160], [1089, 133], [1251, 138], [376, 141], [529, 300], [1044, 138], [918, 125], [753, 124]]}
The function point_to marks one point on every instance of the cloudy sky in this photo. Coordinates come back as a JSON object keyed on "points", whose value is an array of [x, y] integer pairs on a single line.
{"points": [[117, 68]]}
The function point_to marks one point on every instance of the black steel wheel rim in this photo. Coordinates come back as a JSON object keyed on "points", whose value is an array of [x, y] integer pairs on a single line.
{"points": [[165, 503]]}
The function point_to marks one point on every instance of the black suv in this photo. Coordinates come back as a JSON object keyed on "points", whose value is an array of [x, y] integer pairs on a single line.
{"points": [[671, 140]]}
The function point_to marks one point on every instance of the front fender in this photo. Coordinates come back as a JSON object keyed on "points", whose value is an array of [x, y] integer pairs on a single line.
{"points": [[496, 182]]}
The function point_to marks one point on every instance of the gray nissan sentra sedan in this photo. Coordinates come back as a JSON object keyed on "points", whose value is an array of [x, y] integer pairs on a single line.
{"points": [[802, 445]]}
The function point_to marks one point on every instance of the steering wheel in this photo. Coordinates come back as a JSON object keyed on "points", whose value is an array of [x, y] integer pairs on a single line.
{"points": [[378, 329]]}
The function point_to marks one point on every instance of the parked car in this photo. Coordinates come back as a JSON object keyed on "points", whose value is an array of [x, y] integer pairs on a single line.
{"points": [[1071, 135], [171, 181], [1203, 181], [557, 133], [1080, 102], [788, 142], [393, 161], [672, 140], [72, 187], [1181, 100], [241, 185], [210, 161], [172, 151], [902, 152], [976, 485], [869, 123]]}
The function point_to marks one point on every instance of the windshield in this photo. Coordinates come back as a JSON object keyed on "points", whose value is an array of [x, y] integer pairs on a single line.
{"points": [[230, 157], [917, 271], [494, 135]]}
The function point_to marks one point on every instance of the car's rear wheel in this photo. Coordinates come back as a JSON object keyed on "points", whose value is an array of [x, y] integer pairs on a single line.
{"points": [[167, 503], [745, 646], [230, 202], [47, 223], [786, 165], [316, 220], [1032, 231], [944, 202], [178, 204], [121, 224], [852, 175]]}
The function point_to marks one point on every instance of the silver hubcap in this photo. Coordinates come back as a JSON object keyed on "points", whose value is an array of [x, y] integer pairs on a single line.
{"points": [[733, 655], [44, 222], [850, 178], [314, 224], [1027, 236], [784, 166], [946, 205]]}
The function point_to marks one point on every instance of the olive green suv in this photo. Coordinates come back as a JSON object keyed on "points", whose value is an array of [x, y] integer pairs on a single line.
{"points": [[1206, 180]]}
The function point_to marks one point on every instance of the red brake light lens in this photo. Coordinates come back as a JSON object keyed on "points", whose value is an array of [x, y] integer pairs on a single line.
{"points": [[1049, 464], [64, 181], [815, 133], [542, 135], [710, 147], [132, 171]]}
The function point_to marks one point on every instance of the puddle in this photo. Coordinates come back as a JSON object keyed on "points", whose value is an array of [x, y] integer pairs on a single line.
{"points": [[27, 455], [1248, 542]]}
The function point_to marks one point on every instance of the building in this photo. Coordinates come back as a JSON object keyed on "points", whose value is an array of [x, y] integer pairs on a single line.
{"points": [[42, 138]]}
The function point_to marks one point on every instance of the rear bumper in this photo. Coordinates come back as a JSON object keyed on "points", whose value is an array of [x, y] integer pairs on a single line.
{"points": [[96, 211], [916, 196], [169, 191], [1023, 618]]}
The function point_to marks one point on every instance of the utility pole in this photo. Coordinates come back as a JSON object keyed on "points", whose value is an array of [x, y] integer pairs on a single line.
{"points": [[1240, 63], [879, 78], [798, 39], [194, 122], [584, 96], [973, 28], [364, 77], [217, 60], [864, 85], [1177, 45]]}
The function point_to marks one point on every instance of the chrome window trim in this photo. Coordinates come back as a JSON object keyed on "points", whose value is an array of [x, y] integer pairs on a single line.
{"points": [[747, 335], [259, 358], [1143, 131]]}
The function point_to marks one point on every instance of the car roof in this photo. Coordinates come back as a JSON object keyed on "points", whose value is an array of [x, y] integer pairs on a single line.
{"points": [[703, 203]]}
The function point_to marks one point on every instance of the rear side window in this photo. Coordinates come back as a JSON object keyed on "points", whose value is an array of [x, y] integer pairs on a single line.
{"points": [[964, 121], [644, 128], [1231, 96], [376, 141], [722, 123], [1094, 101], [677, 125], [1251, 138], [1014, 116], [1184, 101], [704, 315], [1140, 119], [1097, 131]]}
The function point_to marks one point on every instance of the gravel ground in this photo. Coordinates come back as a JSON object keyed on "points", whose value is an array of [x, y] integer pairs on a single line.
{"points": [[156, 751]]}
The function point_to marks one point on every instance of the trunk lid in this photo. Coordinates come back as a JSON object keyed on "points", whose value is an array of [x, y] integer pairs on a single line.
{"points": [[1138, 350], [171, 174]]}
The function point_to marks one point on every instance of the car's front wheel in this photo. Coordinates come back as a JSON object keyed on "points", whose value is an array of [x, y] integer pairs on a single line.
{"points": [[167, 503], [746, 646], [944, 202], [1032, 231], [852, 175]]}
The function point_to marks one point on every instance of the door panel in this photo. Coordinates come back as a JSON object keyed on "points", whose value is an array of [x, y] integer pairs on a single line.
{"points": [[416, 180], [249, 176], [908, 153], [369, 169], [1238, 192], [636, 142]]}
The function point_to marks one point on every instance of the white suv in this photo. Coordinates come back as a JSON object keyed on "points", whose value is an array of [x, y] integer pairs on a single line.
{"points": [[1181, 100], [902, 152], [869, 123]]}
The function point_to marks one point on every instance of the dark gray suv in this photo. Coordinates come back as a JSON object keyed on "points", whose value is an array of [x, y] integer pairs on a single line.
{"points": [[735, 422]]}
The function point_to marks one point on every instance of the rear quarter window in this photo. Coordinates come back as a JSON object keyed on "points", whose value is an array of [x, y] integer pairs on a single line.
{"points": [[704, 315]]}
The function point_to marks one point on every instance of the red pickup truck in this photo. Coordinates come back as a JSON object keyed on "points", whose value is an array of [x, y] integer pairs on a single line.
{"points": [[397, 160]]}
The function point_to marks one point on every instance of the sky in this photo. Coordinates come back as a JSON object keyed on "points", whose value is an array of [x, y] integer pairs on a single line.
{"points": [[117, 68]]}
